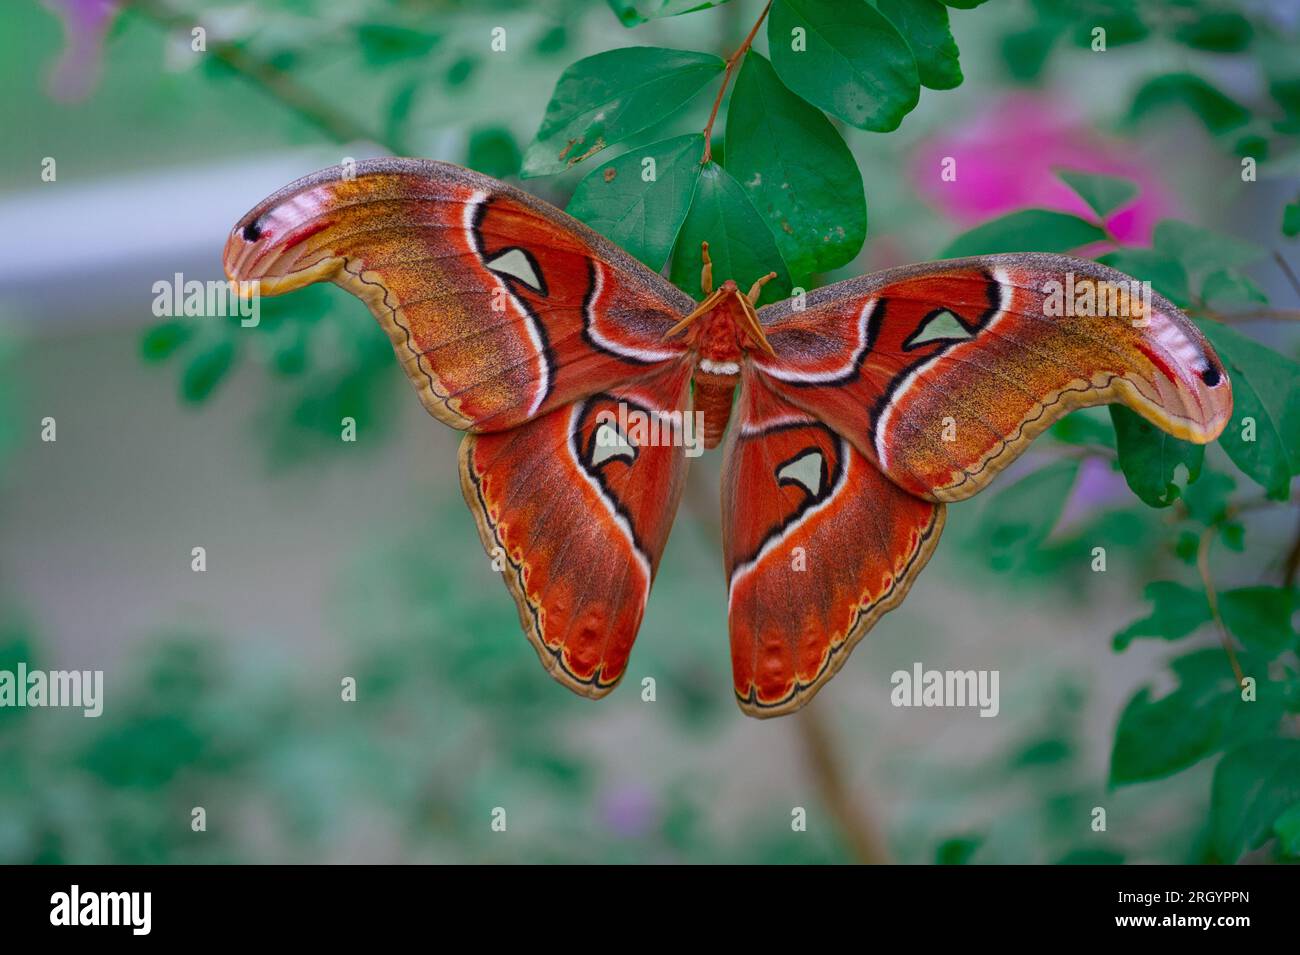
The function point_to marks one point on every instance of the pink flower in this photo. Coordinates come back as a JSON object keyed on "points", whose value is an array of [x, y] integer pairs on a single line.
{"points": [[86, 24], [1007, 156], [630, 811]]}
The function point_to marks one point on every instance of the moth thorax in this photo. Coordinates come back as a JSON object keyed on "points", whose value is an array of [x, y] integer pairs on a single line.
{"points": [[713, 392]]}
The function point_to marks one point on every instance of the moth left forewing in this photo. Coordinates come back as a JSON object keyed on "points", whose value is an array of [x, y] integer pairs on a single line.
{"points": [[942, 373], [499, 307]]}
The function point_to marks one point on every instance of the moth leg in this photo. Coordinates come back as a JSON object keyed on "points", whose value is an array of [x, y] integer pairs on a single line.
{"points": [[756, 289], [706, 273]]}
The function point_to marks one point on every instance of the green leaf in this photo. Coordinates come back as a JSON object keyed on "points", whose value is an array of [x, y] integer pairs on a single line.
{"points": [[635, 12], [552, 40], [957, 851], [1260, 617], [1025, 52], [1020, 517], [740, 244], [796, 170], [1287, 830], [1165, 273], [963, 4], [1263, 437], [1084, 427], [399, 113], [1286, 93], [1291, 220], [162, 340], [1029, 230], [924, 25], [1157, 737], [1202, 250], [461, 69], [384, 43], [1177, 611], [603, 99], [1219, 31], [1151, 458], [493, 152], [1104, 194], [1218, 112], [1254, 785], [844, 57], [205, 371], [1225, 288], [1207, 500], [642, 217]]}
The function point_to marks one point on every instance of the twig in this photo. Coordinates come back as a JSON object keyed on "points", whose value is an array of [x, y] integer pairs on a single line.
{"points": [[825, 765], [1291, 565], [1286, 268], [1203, 565], [276, 83], [726, 78]]}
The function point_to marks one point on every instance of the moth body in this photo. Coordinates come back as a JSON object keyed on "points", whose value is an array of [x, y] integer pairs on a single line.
{"points": [[719, 346]]}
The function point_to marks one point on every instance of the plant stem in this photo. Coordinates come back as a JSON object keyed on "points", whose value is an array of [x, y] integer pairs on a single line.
{"points": [[825, 764], [726, 78], [1286, 269], [1291, 565], [1203, 565]]}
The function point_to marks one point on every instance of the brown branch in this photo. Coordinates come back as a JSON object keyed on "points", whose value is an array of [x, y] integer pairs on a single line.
{"points": [[726, 79], [824, 762], [1291, 565], [1286, 269], [1203, 566], [322, 114]]}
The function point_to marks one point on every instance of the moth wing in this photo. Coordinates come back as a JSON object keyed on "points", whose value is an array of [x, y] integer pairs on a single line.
{"points": [[817, 543], [500, 308], [942, 373], [578, 504]]}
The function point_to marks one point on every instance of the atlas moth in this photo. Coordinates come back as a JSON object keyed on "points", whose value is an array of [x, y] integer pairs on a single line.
{"points": [[863, 409]]}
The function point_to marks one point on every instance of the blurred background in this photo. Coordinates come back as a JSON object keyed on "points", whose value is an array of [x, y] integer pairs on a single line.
{"points": [[328, 560]]}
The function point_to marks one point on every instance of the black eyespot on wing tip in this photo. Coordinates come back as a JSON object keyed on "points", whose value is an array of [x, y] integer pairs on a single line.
{"points": [[1211, 376], [252, 231]]}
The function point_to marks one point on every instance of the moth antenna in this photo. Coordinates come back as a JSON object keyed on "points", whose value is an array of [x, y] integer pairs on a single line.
{"points": [[701, 309], [755, 329], [756, 289], [706, 273]]}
